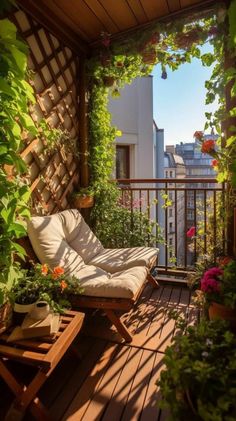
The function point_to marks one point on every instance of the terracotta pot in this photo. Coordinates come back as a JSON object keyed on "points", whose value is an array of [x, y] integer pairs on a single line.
{"points": [[219, 311], [81, 202], [149, 57], [5, 316], [108, 81]]}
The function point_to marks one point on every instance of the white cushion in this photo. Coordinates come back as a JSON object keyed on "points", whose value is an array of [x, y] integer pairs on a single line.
{"points": [[98, 283], [114, 260], [63, 239]]}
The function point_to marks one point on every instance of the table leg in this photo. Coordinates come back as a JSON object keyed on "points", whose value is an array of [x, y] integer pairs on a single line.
{"points": [[25, 396]]}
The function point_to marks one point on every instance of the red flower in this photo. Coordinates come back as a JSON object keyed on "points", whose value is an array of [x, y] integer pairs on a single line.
{"points": [[191, 232], [214, 163], [223, 261], [44, 269], [208, 146], [57, 271], [198, 135]]}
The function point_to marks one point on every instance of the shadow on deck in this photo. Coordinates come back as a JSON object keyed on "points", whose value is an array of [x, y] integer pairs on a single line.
{"points": [[113, 380]]}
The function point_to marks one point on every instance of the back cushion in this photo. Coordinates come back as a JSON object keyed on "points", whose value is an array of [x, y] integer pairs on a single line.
{"points": [[63, 239]]}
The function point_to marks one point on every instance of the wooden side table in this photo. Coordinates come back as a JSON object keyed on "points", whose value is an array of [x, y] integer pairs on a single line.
{"points": [[45, 354]]}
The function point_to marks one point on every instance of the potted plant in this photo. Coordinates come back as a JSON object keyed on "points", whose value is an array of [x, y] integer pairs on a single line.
{"points": [[84, 198], [199, 379], [40, 283], [218, 287]]}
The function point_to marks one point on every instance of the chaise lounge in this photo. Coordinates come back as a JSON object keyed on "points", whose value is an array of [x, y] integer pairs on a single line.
{"points": [[112, 279]]}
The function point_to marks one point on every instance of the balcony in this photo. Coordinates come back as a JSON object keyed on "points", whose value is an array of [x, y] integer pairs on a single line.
{"points": [[156, 197]]}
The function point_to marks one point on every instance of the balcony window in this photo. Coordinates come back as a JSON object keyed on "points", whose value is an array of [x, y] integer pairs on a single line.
{"points": [[122, 161]]}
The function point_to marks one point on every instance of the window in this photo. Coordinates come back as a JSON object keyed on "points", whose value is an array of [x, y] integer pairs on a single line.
{"points": [[122, 161], [170, 226], [170, 254], [170, 241], [170, 212], [171, 174], [170, 196], [190, 215]]}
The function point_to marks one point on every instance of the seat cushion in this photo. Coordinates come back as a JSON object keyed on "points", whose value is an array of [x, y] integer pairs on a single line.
{"points": [[95, 282], [63, 239], [114, 260]]}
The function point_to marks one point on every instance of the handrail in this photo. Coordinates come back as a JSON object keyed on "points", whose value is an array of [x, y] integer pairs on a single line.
{"points": [[166, 180]]}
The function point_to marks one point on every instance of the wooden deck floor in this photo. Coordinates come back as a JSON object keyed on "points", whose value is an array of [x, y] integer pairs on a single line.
{"points": [[114, 381]]}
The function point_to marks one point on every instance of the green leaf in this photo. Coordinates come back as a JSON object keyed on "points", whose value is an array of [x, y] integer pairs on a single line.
{"points": [[28, 123], [19, 57], [230, 141], [7, 29], [20, 250], [17, 228], [6, 88]]}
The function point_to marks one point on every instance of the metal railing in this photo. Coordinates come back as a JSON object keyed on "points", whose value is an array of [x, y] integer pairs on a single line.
{"points": [[175, 205]]}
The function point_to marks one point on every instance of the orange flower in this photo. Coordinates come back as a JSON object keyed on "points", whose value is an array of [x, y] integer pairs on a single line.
{"points": [[214, 163], [63, 285], [44, 269], [57, 271], [223, 261], [208, 146]]}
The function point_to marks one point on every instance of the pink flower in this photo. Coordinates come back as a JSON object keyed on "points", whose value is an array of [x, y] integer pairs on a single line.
{"points": [[210, 285], [191, 232], [213, 273]]}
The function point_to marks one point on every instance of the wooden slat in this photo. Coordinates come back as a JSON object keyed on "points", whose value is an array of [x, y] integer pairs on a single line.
{"points": [[138, 10], [101, 13], [154, 10], [123, 17], [173, 5]]}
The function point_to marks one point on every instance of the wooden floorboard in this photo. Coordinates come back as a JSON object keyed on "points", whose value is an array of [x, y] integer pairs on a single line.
{"points": [[113, 380]]}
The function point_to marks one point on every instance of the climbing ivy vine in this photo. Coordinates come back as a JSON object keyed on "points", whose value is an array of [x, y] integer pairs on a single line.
{"points": [[116, 63]]}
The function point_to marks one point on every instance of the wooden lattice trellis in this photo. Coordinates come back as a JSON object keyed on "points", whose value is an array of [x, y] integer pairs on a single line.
{"points": [[52, 177]]}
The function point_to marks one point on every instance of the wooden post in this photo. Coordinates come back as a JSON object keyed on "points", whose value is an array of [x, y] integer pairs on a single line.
{"points": [[227, 124], [83, 125]]}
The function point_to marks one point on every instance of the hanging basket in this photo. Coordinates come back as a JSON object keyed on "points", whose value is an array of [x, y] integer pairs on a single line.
{"points": [[82, 202], [5, 316], [219, 311]]}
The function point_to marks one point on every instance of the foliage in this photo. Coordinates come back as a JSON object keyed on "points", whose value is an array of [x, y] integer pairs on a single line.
{"points": [[199, 380], [15, 95], [42, 283], [122, 225], [53, 138]]}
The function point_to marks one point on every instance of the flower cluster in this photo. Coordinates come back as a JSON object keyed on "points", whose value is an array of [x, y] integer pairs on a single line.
{"points": [[211, 280], [208, 146], [43, 283], [218, 283]]}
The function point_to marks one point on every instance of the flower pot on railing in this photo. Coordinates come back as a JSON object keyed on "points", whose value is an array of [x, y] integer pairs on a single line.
{"points": [[220, 311], [82, 202]]}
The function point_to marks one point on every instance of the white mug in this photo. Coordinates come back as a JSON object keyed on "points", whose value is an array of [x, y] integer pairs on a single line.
{"points": [[40, 311]]}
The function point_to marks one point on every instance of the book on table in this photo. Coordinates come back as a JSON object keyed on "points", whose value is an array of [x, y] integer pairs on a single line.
{"points": [[32, 328]]}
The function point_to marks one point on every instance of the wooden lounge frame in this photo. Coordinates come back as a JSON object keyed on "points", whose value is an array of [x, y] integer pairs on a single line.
{"points": [[110, 306]]}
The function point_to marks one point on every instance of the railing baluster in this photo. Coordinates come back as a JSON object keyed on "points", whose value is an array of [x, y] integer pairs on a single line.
{"points": [[166, 231], [176, 225], [205, 221], [195, 223]]}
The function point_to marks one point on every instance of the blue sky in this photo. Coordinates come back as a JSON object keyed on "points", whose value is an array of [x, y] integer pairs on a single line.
{"points": [[179, 101]]}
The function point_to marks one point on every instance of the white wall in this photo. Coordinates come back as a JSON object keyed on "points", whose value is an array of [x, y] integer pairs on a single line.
{"points": [[132, 113]]}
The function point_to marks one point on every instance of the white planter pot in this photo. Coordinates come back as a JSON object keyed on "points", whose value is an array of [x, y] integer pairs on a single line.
{"points": [[23, 308]]}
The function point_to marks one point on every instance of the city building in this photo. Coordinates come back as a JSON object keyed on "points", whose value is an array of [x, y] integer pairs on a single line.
{"points": [[174, 167]]}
